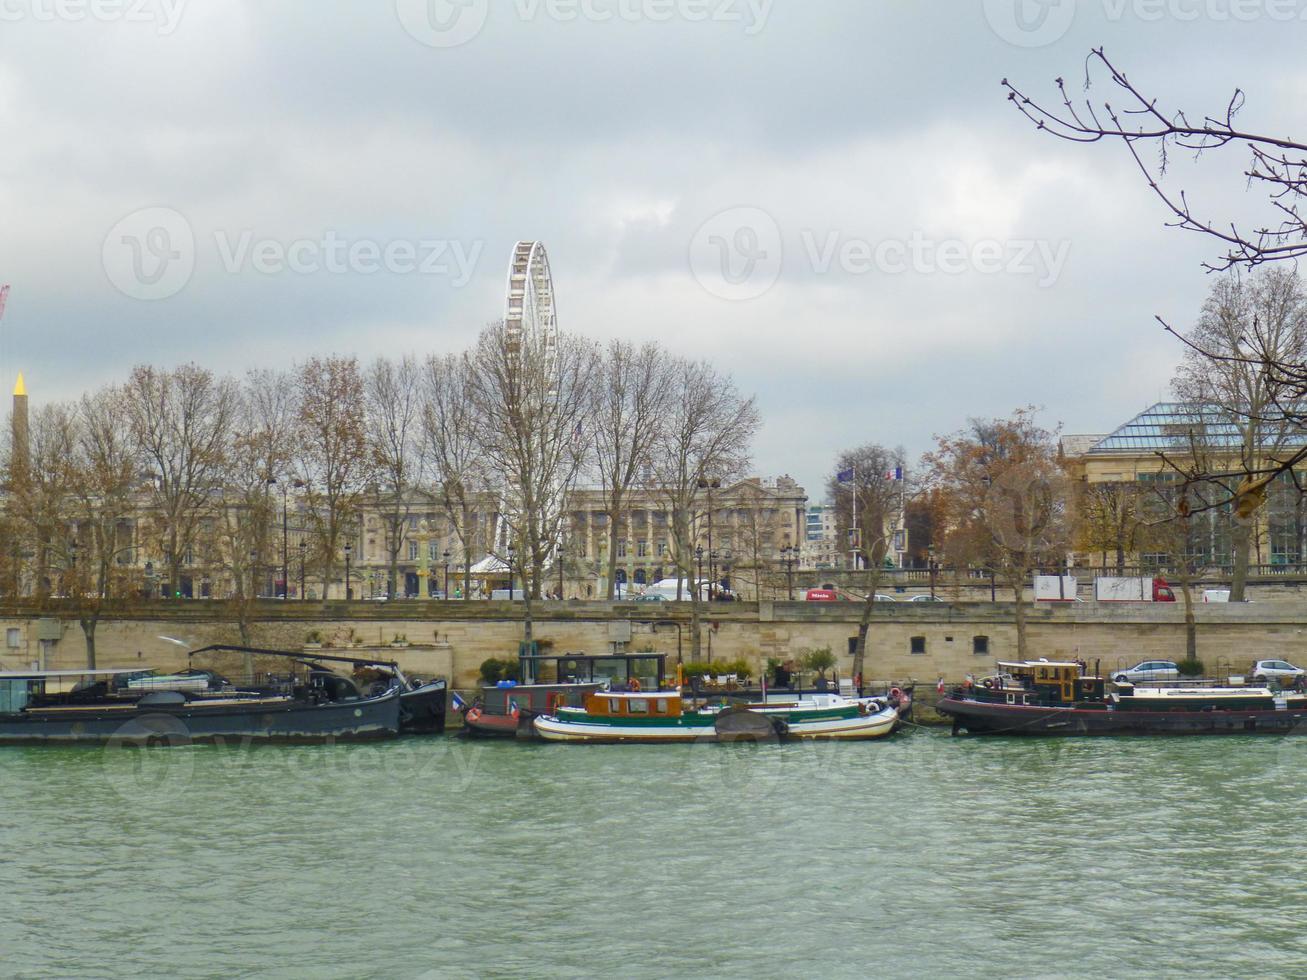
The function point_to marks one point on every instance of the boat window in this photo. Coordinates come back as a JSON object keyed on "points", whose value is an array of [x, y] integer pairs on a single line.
{"points": [[637, 706], [615, 705], [662, 706], [13, 695]]}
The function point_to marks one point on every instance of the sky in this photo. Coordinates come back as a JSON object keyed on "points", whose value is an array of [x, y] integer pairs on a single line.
{"points": [[832, 201]]}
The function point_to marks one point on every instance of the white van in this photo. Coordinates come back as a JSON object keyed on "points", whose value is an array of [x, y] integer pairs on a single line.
{"points": [[1216, 595]]}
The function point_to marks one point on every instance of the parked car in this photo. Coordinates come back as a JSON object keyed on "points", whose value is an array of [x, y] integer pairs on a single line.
{"points": [[650, 597], [822, 595], [1148, 670], [882, 597], [1281, 671], [927, 598]]}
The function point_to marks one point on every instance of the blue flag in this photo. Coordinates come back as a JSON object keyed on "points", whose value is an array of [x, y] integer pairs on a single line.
{"points": [[844, 476]]}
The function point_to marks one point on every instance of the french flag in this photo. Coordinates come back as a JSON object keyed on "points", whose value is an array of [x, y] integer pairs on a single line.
{"points": [[894, 474]]}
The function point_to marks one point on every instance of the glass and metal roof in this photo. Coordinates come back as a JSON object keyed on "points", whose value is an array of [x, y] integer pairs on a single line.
{"points": [[1178, 425]]}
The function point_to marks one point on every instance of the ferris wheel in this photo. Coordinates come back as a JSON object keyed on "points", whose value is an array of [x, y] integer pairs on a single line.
{"points": [[530, 318]]}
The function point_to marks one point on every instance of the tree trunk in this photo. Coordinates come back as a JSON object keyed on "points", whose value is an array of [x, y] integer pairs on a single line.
{"points": [[1190, 623], [695, 621], [864, 625], [1019, 607], [612, 546], [1242, 545], [89, 624]]}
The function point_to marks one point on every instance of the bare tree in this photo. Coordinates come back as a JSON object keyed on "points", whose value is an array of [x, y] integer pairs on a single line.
{"points": [[706, 438], [43, 499], [1269, 311], [1108, 520], [531, 398], [106, 477], [868, 505], [452, 453], [392, 394], [331, 453], [1004, 498], [180, 421], [632, 398], [1151, 133]]}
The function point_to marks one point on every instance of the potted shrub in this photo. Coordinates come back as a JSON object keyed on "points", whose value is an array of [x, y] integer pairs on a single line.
{"points": [[313, 640], [819, 660], [400, 640]]}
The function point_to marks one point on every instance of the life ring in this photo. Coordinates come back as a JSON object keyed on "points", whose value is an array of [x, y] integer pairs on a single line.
{"points": [[633, 685], [896, 693], [473, 714], [989, 683]]}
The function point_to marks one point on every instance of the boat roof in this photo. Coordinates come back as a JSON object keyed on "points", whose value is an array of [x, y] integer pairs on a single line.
{"points": [[1038, 663], [1203, 692], [13, 675], [635, 694]]}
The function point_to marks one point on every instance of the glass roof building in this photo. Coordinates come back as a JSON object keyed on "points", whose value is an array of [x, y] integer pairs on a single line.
{"points": [[1175, 426]]}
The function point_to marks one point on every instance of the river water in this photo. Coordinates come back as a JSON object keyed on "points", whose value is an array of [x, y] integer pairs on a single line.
{"points": [[917, 856]]}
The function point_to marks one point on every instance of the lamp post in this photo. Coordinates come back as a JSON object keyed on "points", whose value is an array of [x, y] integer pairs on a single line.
{"points": [[790, 557], [712, 573], [254, 573], [349, 593], [512, 551], [930, 557], [698, 557], [446, 557], [71, 586], [710, 485], [304, 550], [560, 572]]}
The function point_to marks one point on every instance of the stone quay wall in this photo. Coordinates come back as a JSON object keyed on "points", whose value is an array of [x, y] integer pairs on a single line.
{"points": [[452, 639]]}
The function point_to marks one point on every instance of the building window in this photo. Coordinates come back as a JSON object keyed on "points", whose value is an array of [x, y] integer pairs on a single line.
{"points": [[918, 644], [412, 551], [433, 549], [13, 638], [980, 645], [662, 548], [621, 549], [642, 549]]}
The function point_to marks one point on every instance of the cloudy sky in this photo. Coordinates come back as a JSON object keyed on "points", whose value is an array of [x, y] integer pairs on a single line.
{"points": [[832, 200]]}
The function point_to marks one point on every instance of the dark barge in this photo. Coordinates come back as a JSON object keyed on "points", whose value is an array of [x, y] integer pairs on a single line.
{"points": [[1041, 697]]}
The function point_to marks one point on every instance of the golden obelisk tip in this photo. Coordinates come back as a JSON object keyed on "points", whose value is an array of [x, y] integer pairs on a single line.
{"points": [[19, 387]]}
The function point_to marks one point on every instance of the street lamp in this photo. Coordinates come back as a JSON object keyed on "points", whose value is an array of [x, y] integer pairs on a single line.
{"points": [[304, 550], [560, 571], [285, 532], [511, 552], [698, 557], [930, 557], [254, 571], [349, 592], [446, 557], [789, 557]]}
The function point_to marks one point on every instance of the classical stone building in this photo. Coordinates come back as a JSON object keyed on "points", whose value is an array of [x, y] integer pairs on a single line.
{"points": [[1120, 479]]}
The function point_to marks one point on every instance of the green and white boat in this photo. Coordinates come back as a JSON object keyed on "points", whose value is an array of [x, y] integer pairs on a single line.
{"points": [[661, 716]]}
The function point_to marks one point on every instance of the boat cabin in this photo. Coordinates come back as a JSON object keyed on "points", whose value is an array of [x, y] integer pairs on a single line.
{"points": [[1048, 682], [628, 704]]}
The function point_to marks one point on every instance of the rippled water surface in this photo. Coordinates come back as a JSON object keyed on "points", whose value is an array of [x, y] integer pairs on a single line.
{"points": [[921, 855]]}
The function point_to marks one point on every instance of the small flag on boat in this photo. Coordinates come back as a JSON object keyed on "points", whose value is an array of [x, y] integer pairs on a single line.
{"points": [[459, 703], [939, 688]]}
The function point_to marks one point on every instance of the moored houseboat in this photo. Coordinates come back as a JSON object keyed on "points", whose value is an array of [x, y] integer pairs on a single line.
{"points": [[98, 706], [1042, 697], [662, 716]]}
